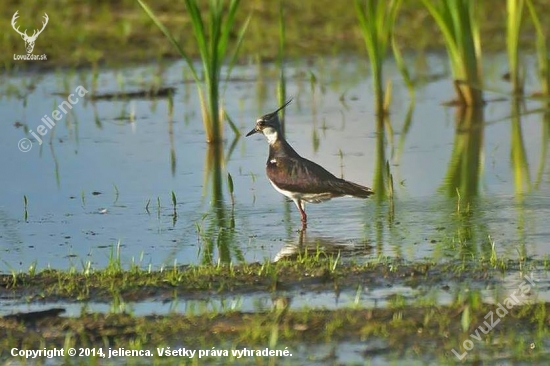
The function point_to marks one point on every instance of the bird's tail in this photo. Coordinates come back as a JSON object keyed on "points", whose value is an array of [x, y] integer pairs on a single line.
{"points": [[356, 190]]}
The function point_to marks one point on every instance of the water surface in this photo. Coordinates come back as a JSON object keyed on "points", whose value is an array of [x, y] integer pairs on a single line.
{"points": [[89, 182]]}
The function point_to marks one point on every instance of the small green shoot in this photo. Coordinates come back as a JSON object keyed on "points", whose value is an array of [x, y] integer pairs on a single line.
{"points": [[174, 206], [158, 207], [26, 204], [389, 192], [116, 193], [230, 187]]}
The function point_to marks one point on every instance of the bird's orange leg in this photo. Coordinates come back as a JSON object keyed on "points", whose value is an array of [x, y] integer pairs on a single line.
{"points": [[301, 208]]}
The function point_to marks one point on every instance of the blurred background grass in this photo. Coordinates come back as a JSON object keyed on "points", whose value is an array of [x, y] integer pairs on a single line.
{"points": [[82, 33]]}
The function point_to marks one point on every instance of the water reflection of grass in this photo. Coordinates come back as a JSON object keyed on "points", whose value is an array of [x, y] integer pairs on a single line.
{"points": [[464, 169], [518, 156], [545, 137], [216, 231]]}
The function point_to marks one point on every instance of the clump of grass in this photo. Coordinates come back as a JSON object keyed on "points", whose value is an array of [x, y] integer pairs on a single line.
{"points": [[114, 266], [459, 24], [376, 22], [494, 256], [212, 39]]}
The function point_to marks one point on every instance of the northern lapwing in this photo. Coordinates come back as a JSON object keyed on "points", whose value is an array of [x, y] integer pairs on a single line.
{"points": [[297, 178]]}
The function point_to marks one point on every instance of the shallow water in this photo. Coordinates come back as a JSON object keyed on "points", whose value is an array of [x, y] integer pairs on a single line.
{"points": [[89, 182]]}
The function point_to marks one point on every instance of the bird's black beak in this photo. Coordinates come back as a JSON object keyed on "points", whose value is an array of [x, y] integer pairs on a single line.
{"points": [[254, 130]]}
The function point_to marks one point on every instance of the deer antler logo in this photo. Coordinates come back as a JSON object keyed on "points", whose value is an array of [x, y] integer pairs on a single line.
{"points": [[29, 40]]}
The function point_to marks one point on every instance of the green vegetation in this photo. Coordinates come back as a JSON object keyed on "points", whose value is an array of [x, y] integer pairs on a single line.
{"points": [[465, 166], [427, 331], [518, 153], [543, 59], [404, 325], [460, 25], [310, 269], [121, 33], [513, 28], [212, 37], [376, 22], [281, 85]]}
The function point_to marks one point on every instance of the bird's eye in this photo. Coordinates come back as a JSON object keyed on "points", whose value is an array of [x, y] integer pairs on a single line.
{"points": [[261, 123]]}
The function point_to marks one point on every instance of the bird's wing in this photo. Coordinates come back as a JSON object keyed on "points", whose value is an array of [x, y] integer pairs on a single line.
{"points": [[301, 175]]}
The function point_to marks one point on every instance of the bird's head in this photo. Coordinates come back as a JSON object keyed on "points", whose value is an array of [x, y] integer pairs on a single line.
{"points": [[269, 125]]}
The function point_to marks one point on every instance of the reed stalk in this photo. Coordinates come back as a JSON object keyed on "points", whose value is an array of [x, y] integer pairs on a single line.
{"points": [[514, 9], [376, 22], [459, 24], [212, 35], [545, 141], [281, 85], [543, 60]]}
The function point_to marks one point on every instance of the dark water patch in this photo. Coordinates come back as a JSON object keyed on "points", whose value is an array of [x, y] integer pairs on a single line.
{"points": [[162, 92]]}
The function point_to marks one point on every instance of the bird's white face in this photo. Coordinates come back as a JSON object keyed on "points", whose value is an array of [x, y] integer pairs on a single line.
{"points": [[269, 125], [271, 134]]}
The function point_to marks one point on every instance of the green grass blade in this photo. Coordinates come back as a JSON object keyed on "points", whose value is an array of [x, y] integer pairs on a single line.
{"points": [[400, 62], [458, 21], [542, 51], [232, 124], [198, 27], [172, 40], [281, 84], [233, 59]]}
